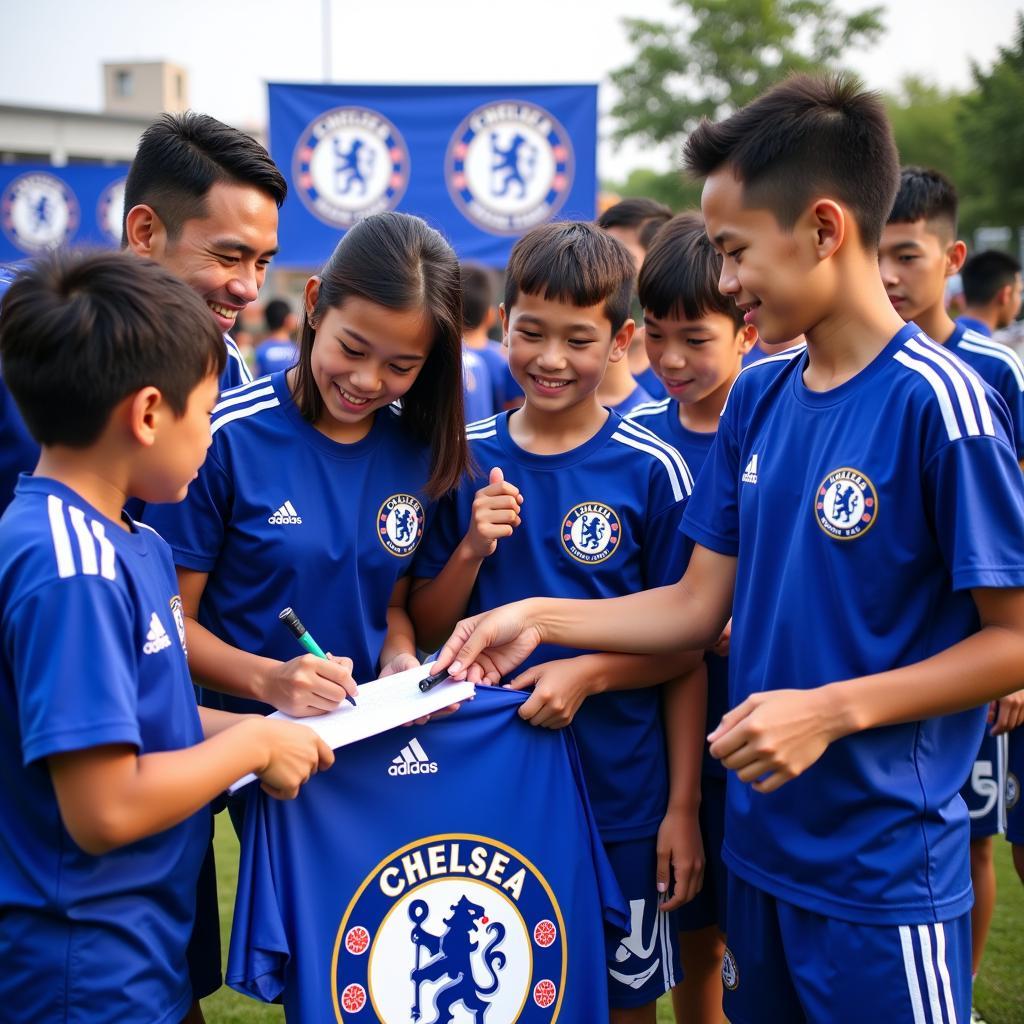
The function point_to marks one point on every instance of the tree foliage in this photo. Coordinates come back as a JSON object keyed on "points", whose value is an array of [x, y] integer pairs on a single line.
{"points": [[924, 120], [722, 53]]}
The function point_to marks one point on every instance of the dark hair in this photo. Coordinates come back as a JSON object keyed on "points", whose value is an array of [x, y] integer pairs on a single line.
{"points": [[804, 137], [275, 313], [477, 294], [636, 212], [398, 262], [574, 262], [81, 331], [182, 156], [985, 274], [680, 273], [924, 194]]}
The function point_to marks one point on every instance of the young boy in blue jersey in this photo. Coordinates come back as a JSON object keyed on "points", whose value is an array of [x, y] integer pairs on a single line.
{"points": [[919, 252], [277, 351], [113, 363], [479, 315], [861, 514], [696, 340], [591, 506], [992, 291]]}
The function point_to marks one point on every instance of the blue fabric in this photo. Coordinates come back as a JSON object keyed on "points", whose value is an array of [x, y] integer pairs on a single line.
{"points": [[787, 965], [18, 451], [274, 355], [495, 818], [281, 515], [600, 520], [477, 390], [638, 396], [92, 654], [497, 368], [860, 518], [978, 326], [984, 792], [1014, 778], [1000, 367], [708, 907], [648, 380]]}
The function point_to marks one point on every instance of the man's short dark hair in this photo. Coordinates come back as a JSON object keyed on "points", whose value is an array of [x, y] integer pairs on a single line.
{"points": [[477, 294], [985, 274], [804, 138], [182, 156], [924, 194], [644, 215], [276, 313], [79, 332], [574, 262], [680, 274]]}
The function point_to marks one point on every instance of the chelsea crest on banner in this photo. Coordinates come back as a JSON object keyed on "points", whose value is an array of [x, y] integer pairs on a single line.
{"points": [[448, 874]]}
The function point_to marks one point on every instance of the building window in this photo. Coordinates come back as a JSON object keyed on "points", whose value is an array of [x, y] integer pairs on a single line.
{"points": [[123, 83]]}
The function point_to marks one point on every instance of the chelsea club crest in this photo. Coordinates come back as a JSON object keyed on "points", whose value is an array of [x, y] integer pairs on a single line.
{"points": [[450, 928], [591, 532], [509, 166], [846, 504], [349, 163], [39, 212], [110, 210], [400, 524]]}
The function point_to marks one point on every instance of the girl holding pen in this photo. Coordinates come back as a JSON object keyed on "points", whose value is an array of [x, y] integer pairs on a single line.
{"points": [[317, 486]]}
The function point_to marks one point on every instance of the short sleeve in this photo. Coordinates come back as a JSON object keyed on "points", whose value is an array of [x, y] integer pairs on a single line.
{"points": [[441, 538], [975, 490], [194, 528], [259, 951], [74, 667], [712, 513], [666, 551]]}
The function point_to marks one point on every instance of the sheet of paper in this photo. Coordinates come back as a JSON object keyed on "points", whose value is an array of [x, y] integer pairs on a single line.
{"points": [[382, 705]]}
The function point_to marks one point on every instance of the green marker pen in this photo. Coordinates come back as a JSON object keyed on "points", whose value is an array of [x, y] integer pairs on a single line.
{"points": [[299, 631]]}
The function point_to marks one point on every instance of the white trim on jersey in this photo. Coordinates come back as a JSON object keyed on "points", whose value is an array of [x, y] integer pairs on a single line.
{"points": [[959, 376], [936, 974], [233, 353], [648, 408], [660, 454], [238, 396], [972, 378], [982, 346], [480, 429], [780, 357], [639, 430], [256, 389], [87, 536]]}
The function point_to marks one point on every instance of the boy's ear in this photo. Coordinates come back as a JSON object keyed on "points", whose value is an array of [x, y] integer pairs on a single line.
{"points": [[746, 338], [956, 254], [145, 232], [504, 323], [310, 294], [828, 222], [621, 341], [143, 411]]}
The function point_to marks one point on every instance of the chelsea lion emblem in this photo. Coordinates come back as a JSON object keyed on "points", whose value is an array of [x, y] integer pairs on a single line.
{"points": [[591, 532], [39, 212], [509, 166], [846, 504], [349, 163], [400, 524], [451, 927]]}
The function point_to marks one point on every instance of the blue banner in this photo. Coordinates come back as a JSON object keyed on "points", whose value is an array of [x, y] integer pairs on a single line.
{"points": [[483, 164], [42, 207]]}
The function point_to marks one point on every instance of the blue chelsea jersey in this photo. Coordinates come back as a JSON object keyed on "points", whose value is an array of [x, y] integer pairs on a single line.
{"points": [[462, 871], [861, 518], [92, 655], [598, 521], [280, 515], [662, 418], [1000, 367]]}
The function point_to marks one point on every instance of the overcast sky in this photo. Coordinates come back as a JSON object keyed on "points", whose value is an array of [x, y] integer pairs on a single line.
{"points": [[51, 50]]}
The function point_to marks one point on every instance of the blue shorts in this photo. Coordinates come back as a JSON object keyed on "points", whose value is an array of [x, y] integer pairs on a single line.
{"points": [[787, 965], [708, 907], [645, 964], [985, 791], [203, 953], [1014, 778]]}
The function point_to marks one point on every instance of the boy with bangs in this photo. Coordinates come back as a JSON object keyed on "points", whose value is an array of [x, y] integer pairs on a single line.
{"points": [[108, 766], [696, 340], [861, 513], [580, 502]]}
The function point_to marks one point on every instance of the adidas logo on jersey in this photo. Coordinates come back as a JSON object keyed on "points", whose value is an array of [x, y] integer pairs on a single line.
{"points": [[285, 516], [750, 473], [157, 638], [412, 760]]}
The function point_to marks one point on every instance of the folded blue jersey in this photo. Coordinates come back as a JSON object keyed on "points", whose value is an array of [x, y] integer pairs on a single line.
{"points": [[452, 865]]}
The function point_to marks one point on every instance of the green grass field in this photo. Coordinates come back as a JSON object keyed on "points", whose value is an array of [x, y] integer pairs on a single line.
{"points": [[999, 994]]}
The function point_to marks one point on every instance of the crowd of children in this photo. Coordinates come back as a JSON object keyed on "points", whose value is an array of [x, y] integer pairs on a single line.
{"points": [[734, 497]]}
